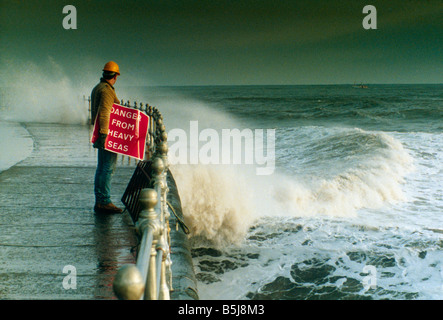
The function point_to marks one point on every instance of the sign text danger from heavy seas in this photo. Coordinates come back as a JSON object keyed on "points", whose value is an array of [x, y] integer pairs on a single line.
{"points": [[127, 131]]}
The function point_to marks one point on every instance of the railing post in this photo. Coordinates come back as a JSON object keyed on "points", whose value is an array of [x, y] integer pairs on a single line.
{"points": [[163, 281], [151, 283]]}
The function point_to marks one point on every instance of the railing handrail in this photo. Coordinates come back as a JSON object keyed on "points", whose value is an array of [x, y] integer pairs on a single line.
{"points": [[151, 277]]}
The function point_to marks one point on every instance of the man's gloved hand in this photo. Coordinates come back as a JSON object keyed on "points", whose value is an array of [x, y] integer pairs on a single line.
{"points": [[100, 142]]}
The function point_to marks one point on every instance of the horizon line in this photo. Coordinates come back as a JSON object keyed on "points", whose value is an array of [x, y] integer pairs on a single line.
{"points": [[279, 85]]}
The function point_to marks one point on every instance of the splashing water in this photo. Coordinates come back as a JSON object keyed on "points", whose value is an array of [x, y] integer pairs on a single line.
{"points": [[42, 93], [221, 203]]}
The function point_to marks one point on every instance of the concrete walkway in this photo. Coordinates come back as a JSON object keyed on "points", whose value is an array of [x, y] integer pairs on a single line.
{"points": [[47, 222]]}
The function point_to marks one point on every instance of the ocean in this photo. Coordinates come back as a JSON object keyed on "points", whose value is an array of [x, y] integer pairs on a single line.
{"points": [[352, 210]]}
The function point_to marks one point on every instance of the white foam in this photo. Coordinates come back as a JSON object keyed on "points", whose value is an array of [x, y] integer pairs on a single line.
{"points": [[42, 93], [218, 197], [376, 180], [216, 202], [221, 202]]}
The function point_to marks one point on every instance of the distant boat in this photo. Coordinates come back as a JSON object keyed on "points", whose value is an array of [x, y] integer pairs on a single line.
{"points": [[360, 86]]}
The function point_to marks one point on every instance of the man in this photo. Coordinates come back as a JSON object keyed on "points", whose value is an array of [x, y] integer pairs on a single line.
{"points": [[102, 98]]}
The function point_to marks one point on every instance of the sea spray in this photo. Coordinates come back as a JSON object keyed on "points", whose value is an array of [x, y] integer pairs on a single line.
{"points": [[371, 178], [222, 202], [217, 203], [43, 93]]}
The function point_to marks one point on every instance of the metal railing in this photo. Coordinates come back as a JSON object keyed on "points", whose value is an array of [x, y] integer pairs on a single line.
{"points": [[151, 277]]}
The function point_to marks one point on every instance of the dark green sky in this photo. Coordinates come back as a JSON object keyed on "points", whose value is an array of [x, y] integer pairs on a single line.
{"points": [[228, 42]]}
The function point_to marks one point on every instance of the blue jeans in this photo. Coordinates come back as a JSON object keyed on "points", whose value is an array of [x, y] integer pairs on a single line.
{"points": [[106, 162]]}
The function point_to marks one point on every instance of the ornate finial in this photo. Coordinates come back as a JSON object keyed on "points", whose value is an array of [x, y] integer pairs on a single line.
{"points": [[148, 199], [162, 148], [128, 283], [158, 166]]}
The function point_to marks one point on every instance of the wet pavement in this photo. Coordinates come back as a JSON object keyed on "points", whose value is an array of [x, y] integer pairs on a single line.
{"points": [[47, 223], [52, 245]]}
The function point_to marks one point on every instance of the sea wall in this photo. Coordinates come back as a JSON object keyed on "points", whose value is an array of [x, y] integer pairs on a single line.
{"points": [[184, 283]]}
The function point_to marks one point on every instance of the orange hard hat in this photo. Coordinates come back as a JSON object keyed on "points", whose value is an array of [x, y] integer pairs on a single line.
{"points": [[111, 66]]}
